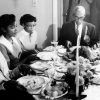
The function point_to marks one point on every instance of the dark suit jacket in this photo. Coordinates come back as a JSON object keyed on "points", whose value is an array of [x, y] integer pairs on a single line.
{"points": [[68, 33]]}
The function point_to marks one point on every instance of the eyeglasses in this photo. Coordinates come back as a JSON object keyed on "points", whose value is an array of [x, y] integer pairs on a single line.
{"points": [[79, 18]]}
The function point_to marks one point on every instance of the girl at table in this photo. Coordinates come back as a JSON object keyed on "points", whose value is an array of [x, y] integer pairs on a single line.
{"points": [[10, 50]]}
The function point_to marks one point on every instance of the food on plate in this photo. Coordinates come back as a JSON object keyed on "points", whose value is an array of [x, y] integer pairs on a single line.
{"points": [[49, 48], [47, 56], [56, 91], [32, 83], [58, 75], [52, 48], [61, 69], [50, 72], [62, 51], [40, 65], [53, 73], [96, 80]]}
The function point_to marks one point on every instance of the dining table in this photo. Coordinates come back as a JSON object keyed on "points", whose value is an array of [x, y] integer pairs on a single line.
{"points": [[48, 83]]}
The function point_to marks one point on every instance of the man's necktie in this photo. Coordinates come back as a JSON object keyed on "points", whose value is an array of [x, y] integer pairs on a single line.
{"points": [[77, 30]]}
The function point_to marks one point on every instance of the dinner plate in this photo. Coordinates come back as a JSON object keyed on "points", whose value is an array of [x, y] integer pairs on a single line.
{"points": [[96, 80], [47, 55], [40, 65], [33, 84], [55, 92], [97, 67], [49, 48]]}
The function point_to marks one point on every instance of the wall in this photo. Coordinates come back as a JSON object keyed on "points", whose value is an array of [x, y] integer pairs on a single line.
{"points": [[42, 9], [95, 15], [45, 28]]}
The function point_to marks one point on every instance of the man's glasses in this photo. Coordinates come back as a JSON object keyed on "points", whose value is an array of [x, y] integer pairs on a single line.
{"points": [[79, 18]]}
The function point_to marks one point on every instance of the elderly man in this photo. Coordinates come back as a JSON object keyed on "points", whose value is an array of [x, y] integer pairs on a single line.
{"points": [[78, 26]]}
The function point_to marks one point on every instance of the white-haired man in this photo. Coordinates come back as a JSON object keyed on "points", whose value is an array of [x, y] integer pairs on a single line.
{"points": [[71, 30]]}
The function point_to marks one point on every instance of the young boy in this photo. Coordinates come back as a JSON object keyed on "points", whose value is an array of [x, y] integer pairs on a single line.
{"points": [[28, 36]]}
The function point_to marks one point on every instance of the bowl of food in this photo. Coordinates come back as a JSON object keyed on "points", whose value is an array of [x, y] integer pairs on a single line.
{"points": [[54, 91]]}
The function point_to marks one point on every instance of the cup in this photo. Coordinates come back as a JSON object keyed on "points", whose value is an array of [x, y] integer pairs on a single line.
{"points": [[54, 43]]}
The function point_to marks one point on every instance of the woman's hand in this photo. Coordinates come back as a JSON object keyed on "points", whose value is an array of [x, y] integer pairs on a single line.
{"points": [[26, 69]]}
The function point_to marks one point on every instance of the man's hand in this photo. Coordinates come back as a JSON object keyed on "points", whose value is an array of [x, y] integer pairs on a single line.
{"points": [[68, 44], [26, 69], [74, 48]]}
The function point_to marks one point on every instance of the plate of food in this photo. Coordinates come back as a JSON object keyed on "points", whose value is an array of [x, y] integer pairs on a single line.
{"points": [[47, 55], [33, 84], [49, 48], [40, 65], [61, 51], [56, 91], [61, 69], [96, 80]]}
